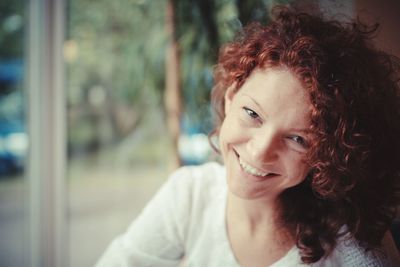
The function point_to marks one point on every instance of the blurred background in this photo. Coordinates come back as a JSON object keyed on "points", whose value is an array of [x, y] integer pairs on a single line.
{"points": [[100, 100]]}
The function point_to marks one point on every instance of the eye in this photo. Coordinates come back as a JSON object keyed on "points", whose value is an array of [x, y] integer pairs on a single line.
{"points": [[298, 139], [251, 113]]}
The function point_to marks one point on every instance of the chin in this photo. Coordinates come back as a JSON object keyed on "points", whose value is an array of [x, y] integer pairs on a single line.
{"points": [[245, 189], [244, 195]]}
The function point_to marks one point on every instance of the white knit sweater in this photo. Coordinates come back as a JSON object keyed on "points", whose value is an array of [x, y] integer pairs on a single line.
{"points": [[184, 224]]}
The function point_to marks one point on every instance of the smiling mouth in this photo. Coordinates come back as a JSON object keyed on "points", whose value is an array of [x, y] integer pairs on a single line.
{"points": [[253, 171]]}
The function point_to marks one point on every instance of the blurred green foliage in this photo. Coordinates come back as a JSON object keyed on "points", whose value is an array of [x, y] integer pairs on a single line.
{"points": [[11, 29], [12, 26], [116, 61], [120, 47], [115, 52]]}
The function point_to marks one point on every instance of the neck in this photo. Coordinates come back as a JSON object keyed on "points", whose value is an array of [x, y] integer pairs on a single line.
{"points": [[254, 232], [256, 217]]}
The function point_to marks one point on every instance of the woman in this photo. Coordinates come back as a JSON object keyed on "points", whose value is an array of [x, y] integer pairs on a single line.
{"points": [[308, 126]]}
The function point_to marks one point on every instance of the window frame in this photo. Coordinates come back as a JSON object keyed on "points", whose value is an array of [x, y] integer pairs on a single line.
{"points": [[46, 124]]}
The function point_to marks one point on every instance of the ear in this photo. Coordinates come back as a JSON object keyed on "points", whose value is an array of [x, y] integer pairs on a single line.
{"points": [[229, 94]]}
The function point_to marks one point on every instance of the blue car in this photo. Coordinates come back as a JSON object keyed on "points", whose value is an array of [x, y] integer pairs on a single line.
{"points": [[13, 137], [13, 147]]}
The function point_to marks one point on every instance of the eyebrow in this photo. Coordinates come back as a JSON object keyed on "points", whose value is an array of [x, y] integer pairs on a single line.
{"points": [[305, 131], [252, 99]]}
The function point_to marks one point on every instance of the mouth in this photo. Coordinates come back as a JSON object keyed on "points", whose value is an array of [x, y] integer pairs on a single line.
{"points": [[252, 170]]}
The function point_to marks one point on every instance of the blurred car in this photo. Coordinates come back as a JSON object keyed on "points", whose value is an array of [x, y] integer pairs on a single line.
{"points": [[13, 147], [13, 137]]}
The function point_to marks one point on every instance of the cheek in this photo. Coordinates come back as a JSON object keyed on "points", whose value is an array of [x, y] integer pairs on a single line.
{"points": [[226, 130], [230, 135], [298, 169], [223, 137]]}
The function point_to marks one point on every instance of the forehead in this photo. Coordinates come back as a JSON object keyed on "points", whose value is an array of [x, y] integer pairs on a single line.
{"points": [[278, 92], [278, 80]]}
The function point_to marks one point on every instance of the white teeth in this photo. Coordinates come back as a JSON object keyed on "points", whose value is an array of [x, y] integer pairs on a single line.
{"points": [[251, 170]]}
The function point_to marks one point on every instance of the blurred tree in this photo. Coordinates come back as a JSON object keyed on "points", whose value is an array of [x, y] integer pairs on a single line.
{"points": [[115, 51], [11, 45], [172, 95], [202, 26], [118, 66], [12, 115], [252, 10], [11, 30]]}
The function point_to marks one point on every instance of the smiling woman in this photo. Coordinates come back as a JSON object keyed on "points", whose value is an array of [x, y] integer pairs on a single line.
{"points": [[261, 137], [307, 114]]}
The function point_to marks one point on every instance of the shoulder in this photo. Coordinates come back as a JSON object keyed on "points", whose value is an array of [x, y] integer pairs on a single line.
{"points": [[187, 188], [196, 193], [191, 189], [206, 171], [348, 252], [197, 181], [170, 221]]}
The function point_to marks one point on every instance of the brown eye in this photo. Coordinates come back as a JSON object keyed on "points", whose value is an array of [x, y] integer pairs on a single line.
{"points": [[251, 113]]}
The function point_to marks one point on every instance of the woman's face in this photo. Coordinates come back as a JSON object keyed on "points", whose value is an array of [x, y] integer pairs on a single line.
{"points": [[265, 134]]}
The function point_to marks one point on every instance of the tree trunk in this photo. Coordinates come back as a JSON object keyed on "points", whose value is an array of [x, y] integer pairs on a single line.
{"points": [[172, 95]]}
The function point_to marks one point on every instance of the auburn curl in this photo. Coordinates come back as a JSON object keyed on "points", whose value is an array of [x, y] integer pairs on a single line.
{"points": [[353, 186]]}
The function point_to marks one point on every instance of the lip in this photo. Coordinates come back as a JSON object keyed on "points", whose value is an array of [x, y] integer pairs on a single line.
{"points": [[251, 176]]}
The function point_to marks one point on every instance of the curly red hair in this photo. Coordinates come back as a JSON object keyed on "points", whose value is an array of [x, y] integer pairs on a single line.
{"points": [[354, 90]]}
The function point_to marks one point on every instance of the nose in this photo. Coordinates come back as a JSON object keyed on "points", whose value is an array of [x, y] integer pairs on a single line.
{"points": [[264, 146]]}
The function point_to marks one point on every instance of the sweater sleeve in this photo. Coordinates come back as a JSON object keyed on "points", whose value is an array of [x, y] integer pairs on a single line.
{"points": [[156, 237], [349, 253]]}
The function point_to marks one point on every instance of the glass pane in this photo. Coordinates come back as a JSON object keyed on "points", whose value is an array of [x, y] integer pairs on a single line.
{"points": [[117, 143], [13, 137]]}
